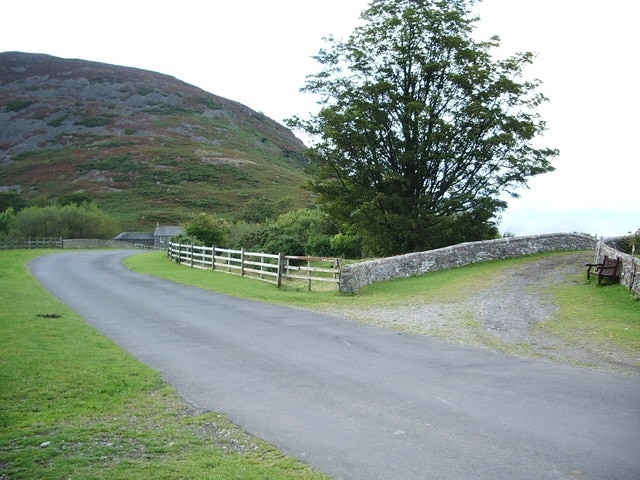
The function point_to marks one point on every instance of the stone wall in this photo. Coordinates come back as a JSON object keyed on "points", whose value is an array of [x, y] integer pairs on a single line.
{"points": [[94, 243], [630, 269], [357, 275]]}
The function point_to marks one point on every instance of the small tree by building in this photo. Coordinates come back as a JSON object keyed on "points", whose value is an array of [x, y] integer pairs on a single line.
{"points": [[208, 230]]}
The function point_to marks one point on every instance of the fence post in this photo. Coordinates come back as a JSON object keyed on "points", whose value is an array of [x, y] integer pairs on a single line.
{"points": [[280, 268], [213, 257], [242, 262], [191, 254], [309, 275]]}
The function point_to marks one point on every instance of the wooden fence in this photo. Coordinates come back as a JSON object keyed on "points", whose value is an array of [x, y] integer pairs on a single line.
{"points": [[30, 242], [267, 267]]}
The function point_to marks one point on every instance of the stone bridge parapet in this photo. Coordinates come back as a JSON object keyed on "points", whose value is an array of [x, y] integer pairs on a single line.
{"points": [[357, 275]]}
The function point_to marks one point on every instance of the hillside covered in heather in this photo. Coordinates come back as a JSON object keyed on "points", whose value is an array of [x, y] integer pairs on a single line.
{"points": [[144, 146]]}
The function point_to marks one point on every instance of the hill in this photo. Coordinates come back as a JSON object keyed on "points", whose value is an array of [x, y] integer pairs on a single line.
{"points": [[145, 146]]}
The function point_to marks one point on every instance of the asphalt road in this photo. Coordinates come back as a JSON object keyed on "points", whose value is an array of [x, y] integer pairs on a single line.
{"points": [[359, 402]]}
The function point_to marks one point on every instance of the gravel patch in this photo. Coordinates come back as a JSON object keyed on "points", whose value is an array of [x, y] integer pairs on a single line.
{"points": [[503, 316]]}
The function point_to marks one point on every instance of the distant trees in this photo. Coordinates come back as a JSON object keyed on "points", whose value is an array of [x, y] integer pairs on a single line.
{"points": [[67, 221], [421, 130]]}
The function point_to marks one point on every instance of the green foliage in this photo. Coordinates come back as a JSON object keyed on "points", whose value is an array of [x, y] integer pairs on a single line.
{"points": [[242, 230], [17, 105], [299, 232], [13, 200], [68, 221], [210, 103], [208, 230], [114, 163], [76, 198], [95, 121], [6, 218], [421, 131], [56, 122], [346, 246], [631, 244], [259, 210], [285, 244]]}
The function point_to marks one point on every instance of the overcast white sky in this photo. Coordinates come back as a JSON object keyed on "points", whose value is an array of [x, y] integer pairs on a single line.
{"points": [[259, 52]]}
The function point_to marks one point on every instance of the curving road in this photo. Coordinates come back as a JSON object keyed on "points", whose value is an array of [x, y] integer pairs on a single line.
{"points": [[358, 402]]}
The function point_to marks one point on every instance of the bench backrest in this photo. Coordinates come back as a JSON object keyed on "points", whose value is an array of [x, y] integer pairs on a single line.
{"points": [[609, 265]]}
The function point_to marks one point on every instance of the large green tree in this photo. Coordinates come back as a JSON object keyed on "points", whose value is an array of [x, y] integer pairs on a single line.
{"points": [[421, 130]]}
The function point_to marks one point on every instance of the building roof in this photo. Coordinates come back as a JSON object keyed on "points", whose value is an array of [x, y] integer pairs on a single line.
{"points": [[135, 236], [168, 231]]}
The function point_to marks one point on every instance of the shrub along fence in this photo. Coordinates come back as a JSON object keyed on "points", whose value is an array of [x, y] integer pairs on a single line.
{"points": [[268, 267]]}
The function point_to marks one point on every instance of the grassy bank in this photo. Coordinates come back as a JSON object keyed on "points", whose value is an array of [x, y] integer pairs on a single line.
{"points": [[590, 314], [73, 405]]}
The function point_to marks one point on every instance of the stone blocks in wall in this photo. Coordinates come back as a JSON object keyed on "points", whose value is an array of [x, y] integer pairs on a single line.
{"points": [[94, 243], [357, 275], [630, 266]]}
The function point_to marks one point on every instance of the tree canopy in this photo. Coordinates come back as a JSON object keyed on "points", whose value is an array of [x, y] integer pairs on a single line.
{"points": [[208, 229], [421, 131], [68, 221]]}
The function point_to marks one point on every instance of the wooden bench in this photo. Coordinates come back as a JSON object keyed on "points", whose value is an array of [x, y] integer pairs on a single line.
{"points": [[607, 269]]}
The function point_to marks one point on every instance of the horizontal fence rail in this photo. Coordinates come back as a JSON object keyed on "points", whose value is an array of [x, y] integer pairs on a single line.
{"points": [[268, 267], [30, 242]]}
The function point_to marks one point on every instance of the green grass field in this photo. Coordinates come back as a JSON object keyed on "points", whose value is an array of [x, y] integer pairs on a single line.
{"points": [[73, 405]]}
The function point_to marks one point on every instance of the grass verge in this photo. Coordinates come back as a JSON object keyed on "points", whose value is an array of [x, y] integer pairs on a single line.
{"points": [[604, 316], [73, 405]]}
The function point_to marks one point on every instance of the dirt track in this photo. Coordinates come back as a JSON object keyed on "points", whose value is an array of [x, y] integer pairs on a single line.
{"points": [[504, 315]]}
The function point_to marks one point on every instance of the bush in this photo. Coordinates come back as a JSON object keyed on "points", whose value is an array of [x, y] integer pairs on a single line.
{"points": [[286, 245], [77, 198], [319, 245], [13, 200], [346, 246], [299, 232], [209, 230], [631, 244], [68, 221], [5, 219]]}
